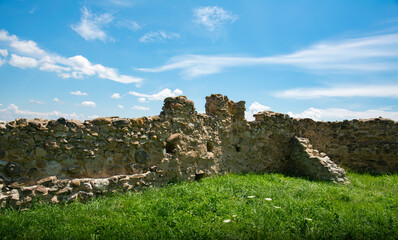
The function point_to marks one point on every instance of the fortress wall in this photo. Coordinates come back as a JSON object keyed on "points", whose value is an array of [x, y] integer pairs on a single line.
{"points": [[181, 144]]}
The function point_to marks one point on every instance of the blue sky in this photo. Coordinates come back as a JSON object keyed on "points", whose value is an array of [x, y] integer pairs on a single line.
{"points": [[327, 60]]}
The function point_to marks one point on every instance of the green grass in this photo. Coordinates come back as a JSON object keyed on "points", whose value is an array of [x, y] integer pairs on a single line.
{"points": [[365, 209]]}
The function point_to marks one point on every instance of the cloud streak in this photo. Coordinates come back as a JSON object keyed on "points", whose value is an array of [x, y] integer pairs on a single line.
{"points": [[78, 93], [72, 67], [332, 114], [12, 112], [160, 96], [158, 36], [367, 54], [140, 108], [386, 91], [88, 104]]}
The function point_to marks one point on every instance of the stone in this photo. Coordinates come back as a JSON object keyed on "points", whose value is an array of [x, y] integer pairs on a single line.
{"points": [[74, 170], [54, 199], [64, 191], [40, 152], [100, 184], [142, 157], [42, 190], [75, 183], [47, 181], [101, 121], [53, 168], [14, 170], [121, 122], [41, 163]]}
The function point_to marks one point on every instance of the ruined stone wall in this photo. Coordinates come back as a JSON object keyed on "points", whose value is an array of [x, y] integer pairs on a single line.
{"points": [[181, 144], [369, 145], [362, 145]]}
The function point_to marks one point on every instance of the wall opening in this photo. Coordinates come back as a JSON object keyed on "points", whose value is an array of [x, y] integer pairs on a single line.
{"points": [[209, 147], [237, 148], [199, 176], [170, 148]]}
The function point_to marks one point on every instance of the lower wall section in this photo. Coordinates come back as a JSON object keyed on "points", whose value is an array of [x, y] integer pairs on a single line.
{"points": [[56, 190]]}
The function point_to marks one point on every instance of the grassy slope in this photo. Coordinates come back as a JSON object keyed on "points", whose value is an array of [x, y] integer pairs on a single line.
{"points": [[366, 209]]}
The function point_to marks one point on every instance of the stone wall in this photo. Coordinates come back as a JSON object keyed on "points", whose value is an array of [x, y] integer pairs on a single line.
{"points": [[181, 144]]}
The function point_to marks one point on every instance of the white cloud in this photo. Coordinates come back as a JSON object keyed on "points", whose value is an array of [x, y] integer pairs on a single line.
{"points": [[29, 48], [12, 112], [116, 95], [90, 25], [332, 114], [120, 106], [72, 67], [160, 96], [213, 17], [88, 104], [32, 101], [57, 100], [254, 108], [158, 36], [348, 91], [78, 93], [4, 52], [82, 66], [367, 54], [140, 108], [23, 62]]}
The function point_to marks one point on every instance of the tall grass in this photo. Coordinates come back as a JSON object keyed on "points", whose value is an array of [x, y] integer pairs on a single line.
{"points": [[270, 206]]}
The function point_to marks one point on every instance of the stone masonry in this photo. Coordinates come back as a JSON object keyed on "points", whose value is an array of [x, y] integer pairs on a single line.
{"points": [[68, 160]]}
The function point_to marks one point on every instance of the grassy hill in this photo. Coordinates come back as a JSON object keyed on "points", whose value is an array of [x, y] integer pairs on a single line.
{"points": [[270, 206]]}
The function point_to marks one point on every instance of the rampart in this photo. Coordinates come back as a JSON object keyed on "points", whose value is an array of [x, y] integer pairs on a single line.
{"points": [[66, 160]]}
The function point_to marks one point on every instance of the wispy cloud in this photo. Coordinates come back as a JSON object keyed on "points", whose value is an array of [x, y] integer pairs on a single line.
{"points": [[367, 54], [160, 96], [332, 114], [122, 3], [78, 93], [88, 104], [116, 95], [120, 106], [213, 17], [12, 112], [254, 108], [33, 101], [90, 25], [129, 24], [386, 91], [140, 108], [158, 36], [72, 67]]}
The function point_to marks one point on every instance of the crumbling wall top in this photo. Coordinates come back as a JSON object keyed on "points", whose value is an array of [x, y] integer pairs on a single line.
{"points": [[218, 105]]}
